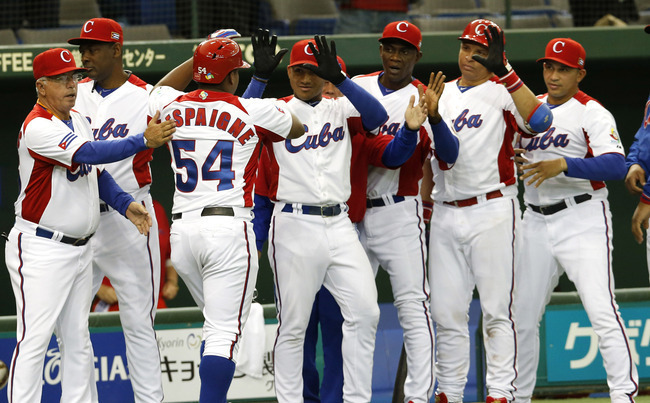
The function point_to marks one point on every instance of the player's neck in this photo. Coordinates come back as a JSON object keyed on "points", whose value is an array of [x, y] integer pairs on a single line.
{"points": [[115, 80], [394, 85], [60, 114], [560, 100]]}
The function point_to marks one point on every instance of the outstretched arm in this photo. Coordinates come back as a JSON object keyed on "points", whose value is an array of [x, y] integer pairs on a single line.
{"points": [[372, 111], [538, 115]]}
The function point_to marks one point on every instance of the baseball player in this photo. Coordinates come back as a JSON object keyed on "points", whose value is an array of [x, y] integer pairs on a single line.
{"points": [[476, 213], [115, 103], [57, 213], [380, 151], [636, 181], [214, 158], [392, 230], [311, 239], [567, 225]]}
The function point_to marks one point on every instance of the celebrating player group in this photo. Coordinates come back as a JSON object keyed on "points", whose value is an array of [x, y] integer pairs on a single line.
{"points": [[341, 176]]}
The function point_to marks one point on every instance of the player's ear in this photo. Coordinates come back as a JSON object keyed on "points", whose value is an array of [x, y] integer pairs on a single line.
{"points": [[117, 50], [581, 74]]}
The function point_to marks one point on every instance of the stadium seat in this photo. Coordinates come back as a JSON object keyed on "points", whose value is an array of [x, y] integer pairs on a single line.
{"points": [[7, 37], [151, 32], [438, 7], [47, 35], [533, 20], [304, 17], [314, 25], [76, 12], [562, 20]]}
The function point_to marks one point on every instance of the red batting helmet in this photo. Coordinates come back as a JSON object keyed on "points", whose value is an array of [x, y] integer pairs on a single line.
{"points": [[215, 58], [475, 31]]}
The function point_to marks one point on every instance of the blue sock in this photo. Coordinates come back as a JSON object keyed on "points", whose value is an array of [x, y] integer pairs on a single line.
{"points": [[216, 375]]}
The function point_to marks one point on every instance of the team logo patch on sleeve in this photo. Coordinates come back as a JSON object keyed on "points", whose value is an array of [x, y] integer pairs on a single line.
{"points": [[67, 140], [613, 134]]}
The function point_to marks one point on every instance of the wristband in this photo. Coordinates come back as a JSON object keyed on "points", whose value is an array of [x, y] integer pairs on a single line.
{"points": [[427, 208], [262, 80], [644, 199], [511, 81]]}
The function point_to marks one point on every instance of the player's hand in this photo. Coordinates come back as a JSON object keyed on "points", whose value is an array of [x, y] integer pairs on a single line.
{"points": [[635, 179], [328, 67], [169, 290], [538, 172], [520, 160], [139, 216], [640, 220], [159, 133], [266, 60], [415, 115], [107, 294], [432, 95], [224, 33], [496, 61]]}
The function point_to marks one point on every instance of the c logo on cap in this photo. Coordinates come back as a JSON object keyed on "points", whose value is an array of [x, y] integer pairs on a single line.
{"points": [[308, 51], [402, 23], [555, 46], [66, 53], [479, 31], [91, 23]]}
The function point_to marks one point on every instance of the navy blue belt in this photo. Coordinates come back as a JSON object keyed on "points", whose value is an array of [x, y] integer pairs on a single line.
{"points": [[207, 211], [325, 211], [554, 208], [42, 232], [380, 201]]}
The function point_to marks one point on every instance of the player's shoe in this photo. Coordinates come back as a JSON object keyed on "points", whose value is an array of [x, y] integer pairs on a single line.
{"points": [[441, 397], [491, 399]]}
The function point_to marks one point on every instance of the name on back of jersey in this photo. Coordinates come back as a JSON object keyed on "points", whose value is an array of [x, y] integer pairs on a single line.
{"points": [[212, 118]]}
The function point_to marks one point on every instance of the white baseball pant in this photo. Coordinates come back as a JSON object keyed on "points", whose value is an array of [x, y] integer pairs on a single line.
{"points": [[393, 236], [217, 259], [474, 246], [52, 286], [578, 241], [132, 262], [306, 252]]}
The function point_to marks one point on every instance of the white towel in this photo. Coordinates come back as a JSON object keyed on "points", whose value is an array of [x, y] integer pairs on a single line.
{"points": [[250, 360]]}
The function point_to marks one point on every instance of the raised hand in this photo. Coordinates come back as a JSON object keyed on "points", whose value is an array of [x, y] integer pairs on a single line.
{"points": [[266, 60], [328, 67], [432, 95], [415, 115], [496, 60]]}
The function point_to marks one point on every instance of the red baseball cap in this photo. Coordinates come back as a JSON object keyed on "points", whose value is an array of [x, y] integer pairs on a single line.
{"points": [[53, 62], [405, 31], [99, 29], [302, 54], [565, 51], [342, 64], [475, 31]]}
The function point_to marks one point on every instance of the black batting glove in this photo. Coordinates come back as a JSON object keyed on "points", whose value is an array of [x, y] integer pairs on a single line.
{"points": [[496, 60], [328, 67], [266, 60]]}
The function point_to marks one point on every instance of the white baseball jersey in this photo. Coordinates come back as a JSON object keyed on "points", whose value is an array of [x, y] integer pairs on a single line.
{"points": [[403, 181], [215, 148], [67, 200], [112, 118], [582, 128], [315, 168], [485, 163]]}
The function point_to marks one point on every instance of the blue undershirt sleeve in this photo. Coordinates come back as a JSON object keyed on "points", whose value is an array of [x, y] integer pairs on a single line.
{"points": [[112, 194], [104, 152], [372, 111], [445, 142], [262, 211], [601, 168], [255, 89], [400, 149]]}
